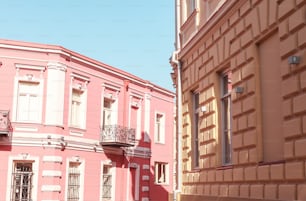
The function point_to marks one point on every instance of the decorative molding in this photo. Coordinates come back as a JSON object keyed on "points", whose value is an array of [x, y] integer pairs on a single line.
{"points": [[57, 66], [145, 188], [145, 177], [28, 129], [54, 159], [51, 188], [30, 67], [51, 173], [146, 167]]}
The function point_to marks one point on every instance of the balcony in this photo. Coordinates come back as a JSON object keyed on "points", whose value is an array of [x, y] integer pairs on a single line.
{"points": [[5, 123], [117, 136]]}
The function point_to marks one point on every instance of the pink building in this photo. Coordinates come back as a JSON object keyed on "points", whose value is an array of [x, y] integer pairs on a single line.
{"points": [[73, 128]]}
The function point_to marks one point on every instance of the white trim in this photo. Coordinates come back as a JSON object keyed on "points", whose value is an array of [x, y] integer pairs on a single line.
{"points": [[113, 173], [81, 167], [101, 66], [19, 47], [51, 188], [30, 67], [162, 136], [81, 77], [35, 170], [51, 173], [26, 128], [54, 159], [40, 96]]}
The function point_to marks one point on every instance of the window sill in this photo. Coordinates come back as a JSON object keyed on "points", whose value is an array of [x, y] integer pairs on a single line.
{"points": [[271, 162], [225, 167], [75, 131], [161, 184]]}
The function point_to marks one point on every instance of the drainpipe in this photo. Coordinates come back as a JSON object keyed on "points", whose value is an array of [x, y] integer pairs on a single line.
{"points": [[175, 61]]}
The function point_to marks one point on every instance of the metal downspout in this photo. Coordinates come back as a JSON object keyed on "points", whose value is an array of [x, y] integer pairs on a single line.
{"points": [[179, 101]]}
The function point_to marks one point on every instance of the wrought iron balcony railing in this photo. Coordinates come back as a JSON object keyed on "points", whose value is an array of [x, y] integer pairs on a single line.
{"points": [[5, 123], [118, 136]]}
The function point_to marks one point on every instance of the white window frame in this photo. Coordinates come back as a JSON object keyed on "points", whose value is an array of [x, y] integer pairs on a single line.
{"points": [[160, 134], [24, 157], [38, 95], [83, 106], [113, 110], [81, 168], [163, 168], [136, 105], [112, 166], [226, 119]]}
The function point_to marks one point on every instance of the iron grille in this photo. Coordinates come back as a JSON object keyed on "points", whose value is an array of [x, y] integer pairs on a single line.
{"points": [[73, 182], [22, 182], [107, 187], [5, 124], [118, 134]]}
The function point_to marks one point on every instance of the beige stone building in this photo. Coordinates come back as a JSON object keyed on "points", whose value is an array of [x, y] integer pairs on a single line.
{"points": [[240, 73]]}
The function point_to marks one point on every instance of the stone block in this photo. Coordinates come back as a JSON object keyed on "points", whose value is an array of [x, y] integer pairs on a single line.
{"points": [[277, 171], [287, 192], [271, 191], [294, 170], [263, 172], [256, 191]]}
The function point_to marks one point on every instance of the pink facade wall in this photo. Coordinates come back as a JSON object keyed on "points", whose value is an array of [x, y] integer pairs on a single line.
{"points": [[49, 142]]}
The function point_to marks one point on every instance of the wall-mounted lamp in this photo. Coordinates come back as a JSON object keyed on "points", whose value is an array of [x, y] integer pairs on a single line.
{"points": [[294, 60], [203, 109], [239, 90]]}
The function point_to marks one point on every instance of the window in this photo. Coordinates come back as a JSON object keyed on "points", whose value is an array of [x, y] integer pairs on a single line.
{"points": [[226, 87], [73, 193], [77, 115], [22, 182], [108, 113], [159, 128], [107, 183], [161, 173], [190, 6], [135, 116], [28, 102], [195, 128]]}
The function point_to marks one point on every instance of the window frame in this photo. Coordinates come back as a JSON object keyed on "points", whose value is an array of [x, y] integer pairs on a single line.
{"points": [[81, 121], [22, 185], [161, 168], [111, 110], [226, 117], [23, 158], [190, 7], [38, 102], [112, 172], [160, 131], [195, 129], [81, 166]]}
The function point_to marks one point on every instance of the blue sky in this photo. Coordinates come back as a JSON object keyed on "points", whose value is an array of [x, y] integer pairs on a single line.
{"points": [[136, 36]]}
